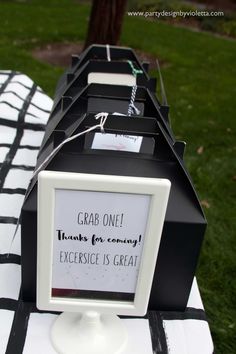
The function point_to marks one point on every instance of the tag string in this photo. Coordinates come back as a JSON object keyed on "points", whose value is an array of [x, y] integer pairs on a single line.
{"points": [[163, 92], [108, 52], [103, 117], [132, 108], [135, 72]]}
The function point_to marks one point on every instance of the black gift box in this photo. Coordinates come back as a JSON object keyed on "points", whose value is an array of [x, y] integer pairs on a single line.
{"points": [[108, 98], [184, 225], [76, 81], [100, 52]]}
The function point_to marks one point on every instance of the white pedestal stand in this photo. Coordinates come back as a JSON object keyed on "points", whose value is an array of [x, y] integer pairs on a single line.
{"points": [[88, 333]]}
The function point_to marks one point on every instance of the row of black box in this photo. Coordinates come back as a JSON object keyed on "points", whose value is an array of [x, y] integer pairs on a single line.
{"points": [[161, 156]]}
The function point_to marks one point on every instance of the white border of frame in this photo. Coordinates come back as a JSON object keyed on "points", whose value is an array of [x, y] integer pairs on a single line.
{"points": [[48, 181]]}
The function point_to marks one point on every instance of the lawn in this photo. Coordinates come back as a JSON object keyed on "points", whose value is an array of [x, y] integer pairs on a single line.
{"points": [[199, 72]]}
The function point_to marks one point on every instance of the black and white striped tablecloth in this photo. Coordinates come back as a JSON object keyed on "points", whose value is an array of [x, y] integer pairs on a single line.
{"points": [[24, 110]]}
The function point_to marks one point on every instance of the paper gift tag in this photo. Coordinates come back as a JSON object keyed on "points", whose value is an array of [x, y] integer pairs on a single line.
{"points": [[129, 143], [118, 142]]}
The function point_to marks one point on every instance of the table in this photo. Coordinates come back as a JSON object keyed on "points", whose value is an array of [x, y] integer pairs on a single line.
{"points": [[24, 111]]}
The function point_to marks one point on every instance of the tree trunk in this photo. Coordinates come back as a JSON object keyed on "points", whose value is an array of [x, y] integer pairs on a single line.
{"points": [[105, 22]]}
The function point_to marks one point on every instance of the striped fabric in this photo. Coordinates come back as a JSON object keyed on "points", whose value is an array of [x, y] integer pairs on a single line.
{"points": [[24, 110]]}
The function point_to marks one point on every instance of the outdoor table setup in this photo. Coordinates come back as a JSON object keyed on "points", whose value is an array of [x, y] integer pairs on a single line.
{"points": [[99, 218]]}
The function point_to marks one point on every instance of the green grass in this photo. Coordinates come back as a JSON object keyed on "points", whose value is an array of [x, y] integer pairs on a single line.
{"points": [[199, 75]]}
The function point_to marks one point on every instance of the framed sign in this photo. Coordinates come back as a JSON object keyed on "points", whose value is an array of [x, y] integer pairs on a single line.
{"points": [[98, 240]]}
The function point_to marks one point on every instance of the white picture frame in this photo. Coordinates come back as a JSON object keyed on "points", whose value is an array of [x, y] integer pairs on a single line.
{"points": [[51, 181]]}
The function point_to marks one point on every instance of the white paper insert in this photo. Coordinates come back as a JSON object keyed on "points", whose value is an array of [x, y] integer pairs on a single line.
{"points": [[112, 79], [98, 240], [119, 142], [105, 141]]}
